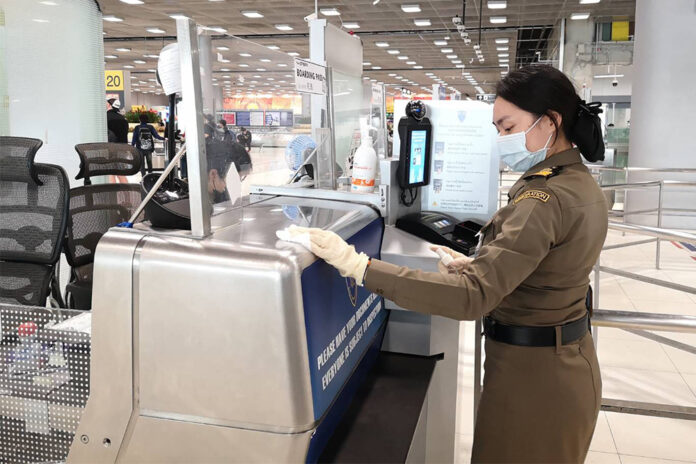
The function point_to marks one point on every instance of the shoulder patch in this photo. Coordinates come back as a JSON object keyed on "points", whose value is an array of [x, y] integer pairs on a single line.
{"points": [[535, 194], [546, 173]]}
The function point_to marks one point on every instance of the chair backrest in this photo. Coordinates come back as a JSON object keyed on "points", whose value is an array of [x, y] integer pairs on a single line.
{"points": [[98, 159], [33, 218], [94, 209]]}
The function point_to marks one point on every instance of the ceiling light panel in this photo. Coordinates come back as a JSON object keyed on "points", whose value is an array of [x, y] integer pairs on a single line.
{"points": [[422, 22], [579, 16], [497, 4], [351, 25], [382, 44], [252, 14], [412, 8], [330, 12], [498, 19]]}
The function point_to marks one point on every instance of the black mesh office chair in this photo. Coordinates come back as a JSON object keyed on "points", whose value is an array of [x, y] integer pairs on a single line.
{"points": [[33, 218], [94, 209]]}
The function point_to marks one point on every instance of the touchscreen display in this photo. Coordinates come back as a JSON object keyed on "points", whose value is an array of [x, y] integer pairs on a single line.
{"points": [[417, 167]]}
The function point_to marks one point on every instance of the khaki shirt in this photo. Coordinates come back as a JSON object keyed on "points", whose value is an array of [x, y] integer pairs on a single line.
{"points": [[535, 259]]}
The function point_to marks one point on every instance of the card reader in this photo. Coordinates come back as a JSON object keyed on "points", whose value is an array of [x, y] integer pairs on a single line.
{"points": [[442, 229]]}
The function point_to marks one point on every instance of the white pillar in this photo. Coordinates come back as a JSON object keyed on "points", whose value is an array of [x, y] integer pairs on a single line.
{"points": [[53, 57], [663, 114]]}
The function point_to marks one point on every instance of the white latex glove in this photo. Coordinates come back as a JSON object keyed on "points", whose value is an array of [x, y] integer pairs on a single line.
{"points": [[451, 262], [331, 248]]}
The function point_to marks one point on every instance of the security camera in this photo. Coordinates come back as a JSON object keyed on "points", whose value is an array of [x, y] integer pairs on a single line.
{"points": [[310, 17], [615, 82], [457, 20]]}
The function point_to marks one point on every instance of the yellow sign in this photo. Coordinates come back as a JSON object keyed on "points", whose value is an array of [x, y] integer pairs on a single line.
{"points": [[113, 80], [138, 108], [619, 30]]}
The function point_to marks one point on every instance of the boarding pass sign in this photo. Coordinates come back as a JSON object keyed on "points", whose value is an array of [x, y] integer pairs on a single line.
{"points": [[310, 77]]}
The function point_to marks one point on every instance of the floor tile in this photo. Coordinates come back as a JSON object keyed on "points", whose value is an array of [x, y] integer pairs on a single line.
{"points": [[646, 386], [655, 437], [645, 354], [684, 360], [602, 440], [650, 305], [595, 457], [637, 290], [628, 459], [690, 380]]}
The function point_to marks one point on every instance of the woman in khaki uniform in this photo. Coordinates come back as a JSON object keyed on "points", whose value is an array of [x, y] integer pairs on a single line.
{"points": [[542, 387]]}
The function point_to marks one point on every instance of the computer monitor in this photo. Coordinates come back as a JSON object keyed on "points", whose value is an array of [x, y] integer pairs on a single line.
{"points": [[414, 157]]}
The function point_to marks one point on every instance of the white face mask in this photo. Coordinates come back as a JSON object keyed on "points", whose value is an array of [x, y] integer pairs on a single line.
{"points": [[513, 150]]}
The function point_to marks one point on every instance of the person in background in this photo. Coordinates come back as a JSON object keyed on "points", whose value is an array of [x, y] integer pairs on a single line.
{"points": [[244, 138], [224, 132], [143, 139], [116, 123]]}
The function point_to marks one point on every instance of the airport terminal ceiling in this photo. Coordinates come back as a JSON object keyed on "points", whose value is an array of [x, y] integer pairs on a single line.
{"points": [[406, 42]]}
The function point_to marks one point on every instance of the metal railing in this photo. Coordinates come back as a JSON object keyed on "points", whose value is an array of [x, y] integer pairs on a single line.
{"points": [[635, 322]]}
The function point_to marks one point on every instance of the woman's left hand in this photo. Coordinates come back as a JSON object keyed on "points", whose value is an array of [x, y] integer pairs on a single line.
{"points": [[331, 248]]}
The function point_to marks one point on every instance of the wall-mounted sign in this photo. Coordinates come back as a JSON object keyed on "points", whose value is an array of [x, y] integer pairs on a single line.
{"points": [[169, 69], [113, 80], [310, 77], [487, 97]]}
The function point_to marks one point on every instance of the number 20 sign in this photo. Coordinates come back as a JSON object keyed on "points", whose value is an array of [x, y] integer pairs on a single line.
{"points": [[113, 80]]}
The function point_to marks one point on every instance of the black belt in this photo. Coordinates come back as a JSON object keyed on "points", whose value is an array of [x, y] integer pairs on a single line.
{"points": [[534, 336]]}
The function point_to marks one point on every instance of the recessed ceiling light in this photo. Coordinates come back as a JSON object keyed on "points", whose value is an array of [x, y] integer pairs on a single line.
{"points": [[128, 66], [273, 47], [498, 19], [293, 54], [456, 61], [352, 25], [260, 69], [497, 4], [421, 22], [440, 43], [429, 74], [155, 30], [411, 62], [402, 57], [446, 50], [330, 12], [243, 65], [503, 60], [133, 2], [588, 2], [502, 49], [411, 8], [452, 57], [459, 66], [577, 16], [502, 41], [245, 54], [376, 67], [283, 27], [178, 16], [123, 49], [112, 19], [282, 65], [503, 55], [222, 49], [366, 63], [392, 74], [265, 60], [252, 14], [40, 20], [138, 61], [111, 57], [381, 44], [418, 67], [49, 3]]}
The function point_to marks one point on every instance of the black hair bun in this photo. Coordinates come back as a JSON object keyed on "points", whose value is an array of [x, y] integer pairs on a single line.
{"points": [[587, 131]]}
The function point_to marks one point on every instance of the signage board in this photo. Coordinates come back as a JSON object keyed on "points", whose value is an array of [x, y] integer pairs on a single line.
{"points": [[113, 81], [310, 77]]}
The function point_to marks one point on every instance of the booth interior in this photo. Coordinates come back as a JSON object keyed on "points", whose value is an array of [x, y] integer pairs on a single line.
{"points": [[188, 332]]}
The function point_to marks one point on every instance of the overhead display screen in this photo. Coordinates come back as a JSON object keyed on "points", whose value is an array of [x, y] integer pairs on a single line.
{"points": [[417, 168]]}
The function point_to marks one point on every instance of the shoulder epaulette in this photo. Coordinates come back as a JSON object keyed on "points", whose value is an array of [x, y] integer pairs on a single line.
{"points": [[546, 173]]}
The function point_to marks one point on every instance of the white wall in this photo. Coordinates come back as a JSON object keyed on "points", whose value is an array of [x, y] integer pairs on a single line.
{"points": [[53, 58], [147, 99], [663, 101], [602, 87]]}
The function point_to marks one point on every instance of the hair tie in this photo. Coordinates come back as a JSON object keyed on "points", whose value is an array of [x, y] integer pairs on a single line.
{"points": [[589, 109]]}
